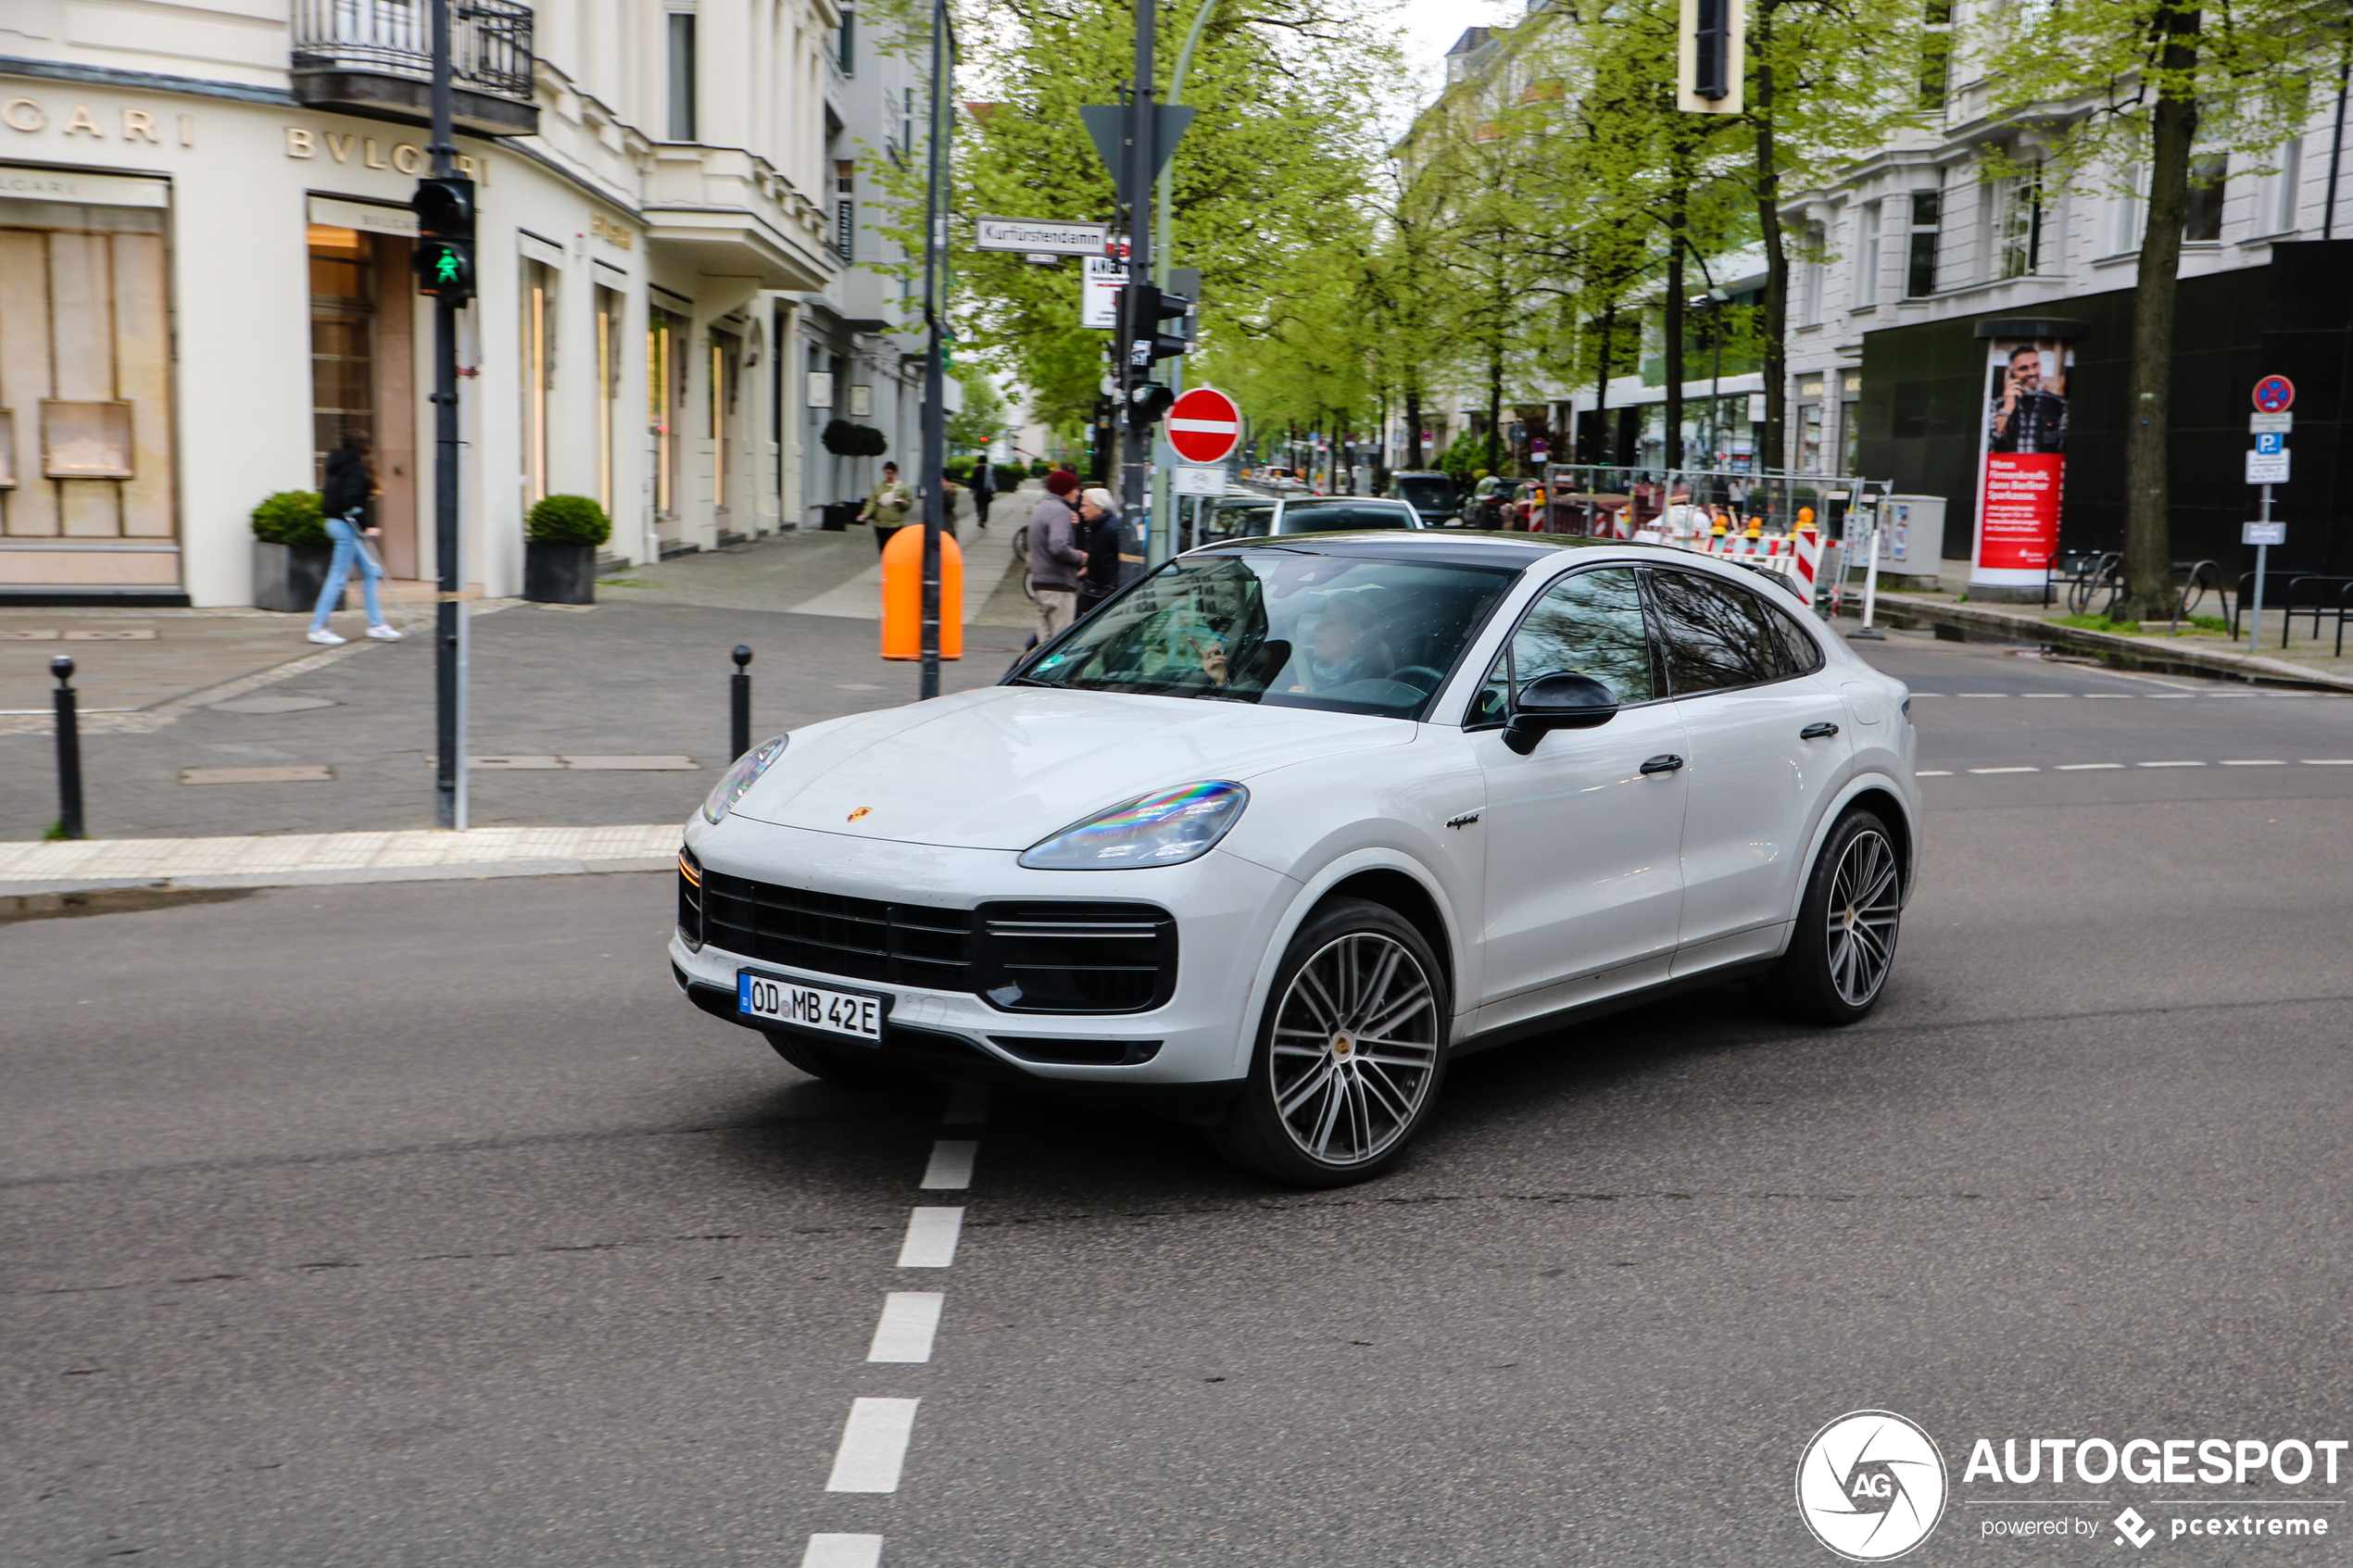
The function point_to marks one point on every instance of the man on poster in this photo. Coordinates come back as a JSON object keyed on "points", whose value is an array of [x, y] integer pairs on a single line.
{"points": [[2029, 417]]}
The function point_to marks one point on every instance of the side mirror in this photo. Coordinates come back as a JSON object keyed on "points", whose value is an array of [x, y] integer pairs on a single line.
{"points": [[1557, 702]]}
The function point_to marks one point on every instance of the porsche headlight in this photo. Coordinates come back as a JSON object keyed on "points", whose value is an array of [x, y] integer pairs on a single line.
{"points": [[1166, 829], [739, 778]]}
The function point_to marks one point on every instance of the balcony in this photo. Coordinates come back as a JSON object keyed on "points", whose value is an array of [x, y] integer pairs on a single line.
{"points": [[374, 57]]}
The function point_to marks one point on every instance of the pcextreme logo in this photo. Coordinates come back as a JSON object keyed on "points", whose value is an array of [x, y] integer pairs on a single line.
{"points": [[1871, 1485]]}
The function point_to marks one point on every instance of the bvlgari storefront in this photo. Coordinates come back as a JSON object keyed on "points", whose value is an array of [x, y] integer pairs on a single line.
{"points": [[201, 294]]}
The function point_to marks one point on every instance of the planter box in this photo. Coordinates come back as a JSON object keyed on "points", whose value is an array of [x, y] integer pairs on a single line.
{"points": [[288, 577], [559, 574]]}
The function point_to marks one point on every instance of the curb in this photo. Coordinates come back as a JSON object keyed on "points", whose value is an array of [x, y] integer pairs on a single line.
{"points": [[318, 860], [2035, 628]]}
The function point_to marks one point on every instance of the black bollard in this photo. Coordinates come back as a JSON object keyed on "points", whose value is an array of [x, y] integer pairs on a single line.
{"points": [[739, 705], [69, 752]]}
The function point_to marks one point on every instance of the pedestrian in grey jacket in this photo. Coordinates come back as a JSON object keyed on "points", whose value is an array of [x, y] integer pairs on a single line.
{"points": [[1055, 559]]}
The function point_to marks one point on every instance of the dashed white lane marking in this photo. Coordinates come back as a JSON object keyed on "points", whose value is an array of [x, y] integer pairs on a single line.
{"points": [[2118, 696], [931, 1238], [951, 1165], [910, 1318], [2253, 762], [1933, 772], [967, 1104], [2006, 769], [2088, 767], [843, 1552], [2168, 764], [2047, 693], [874, 1446], [2327, 761]]}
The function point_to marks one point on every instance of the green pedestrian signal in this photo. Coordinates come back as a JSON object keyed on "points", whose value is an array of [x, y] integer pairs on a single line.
{"points": [[445, 253]]}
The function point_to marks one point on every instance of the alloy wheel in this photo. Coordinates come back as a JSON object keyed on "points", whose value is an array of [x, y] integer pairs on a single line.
{"points": [[1355, 1048], [1862, 917]]}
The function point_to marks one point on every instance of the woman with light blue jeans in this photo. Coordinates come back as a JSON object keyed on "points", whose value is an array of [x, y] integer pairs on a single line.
{"points": [[352, 479]]}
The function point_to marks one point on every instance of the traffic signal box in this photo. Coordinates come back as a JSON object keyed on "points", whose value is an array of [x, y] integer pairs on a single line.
{"points": [[1147, 307], [445, 253]]}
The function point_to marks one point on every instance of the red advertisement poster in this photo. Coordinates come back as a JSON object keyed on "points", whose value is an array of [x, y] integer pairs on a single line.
{"points": [[2022, 461], [2018, 511]]}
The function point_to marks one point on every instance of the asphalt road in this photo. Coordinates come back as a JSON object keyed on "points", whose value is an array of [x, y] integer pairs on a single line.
{"points": [[422, 1223]]}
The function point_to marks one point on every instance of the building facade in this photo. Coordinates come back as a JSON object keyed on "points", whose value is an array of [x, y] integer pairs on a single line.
{"points": [[204, 276]]}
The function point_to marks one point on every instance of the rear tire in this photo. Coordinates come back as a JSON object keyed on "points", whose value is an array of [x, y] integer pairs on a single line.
{"points": [[838, 1066], [1844, 949], [1351, 1052]]}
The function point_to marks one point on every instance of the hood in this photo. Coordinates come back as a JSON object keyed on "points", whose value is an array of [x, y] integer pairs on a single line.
{"points": [[1003, 767]]}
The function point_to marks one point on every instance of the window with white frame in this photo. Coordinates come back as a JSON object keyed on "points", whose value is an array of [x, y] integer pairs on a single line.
{"points": [[1866, 285], [1926, 234], [2017, 224], [2202, 219], [2287, 184], [681, 75], [2124, 212]]}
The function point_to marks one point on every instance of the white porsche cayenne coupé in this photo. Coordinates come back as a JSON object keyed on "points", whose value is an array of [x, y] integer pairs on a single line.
{"points": [[1268, 839]]}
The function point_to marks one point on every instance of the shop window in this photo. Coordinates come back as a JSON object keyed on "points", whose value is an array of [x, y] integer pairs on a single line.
{"points": [[84, 382], [539, 375], [609, 309], [666, 400]]}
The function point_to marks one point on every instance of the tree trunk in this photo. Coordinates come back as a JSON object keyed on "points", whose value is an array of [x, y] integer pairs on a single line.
{"points": [[1769, 453], [1494, 404], [1674, 371], [1413, 423], [2148, 548], [1604, 451]]}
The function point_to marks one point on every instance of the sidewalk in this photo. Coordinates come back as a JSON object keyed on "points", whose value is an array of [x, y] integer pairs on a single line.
{"points": [[2307, 660], [289, 860], [632, 691]]}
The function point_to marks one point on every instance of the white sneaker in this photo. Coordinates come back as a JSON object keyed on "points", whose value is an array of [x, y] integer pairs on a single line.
{"points": [[320, 634], [385, 633]]}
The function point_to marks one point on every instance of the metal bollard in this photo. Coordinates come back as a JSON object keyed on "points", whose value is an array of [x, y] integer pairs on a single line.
{"points": [[69, 752], [739, 705]]}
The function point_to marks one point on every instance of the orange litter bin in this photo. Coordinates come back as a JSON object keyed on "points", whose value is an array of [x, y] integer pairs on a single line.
{"points": [[903, 596]]}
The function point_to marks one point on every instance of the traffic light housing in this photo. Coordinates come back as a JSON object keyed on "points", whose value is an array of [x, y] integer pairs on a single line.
{"points": [[1147, 401], [1147, 309], [445, 255]]}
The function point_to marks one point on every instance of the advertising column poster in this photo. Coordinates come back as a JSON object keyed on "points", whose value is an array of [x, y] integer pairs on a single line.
{"points": [[2021, 461]]}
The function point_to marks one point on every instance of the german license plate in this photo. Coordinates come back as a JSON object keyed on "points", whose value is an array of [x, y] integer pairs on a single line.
{"points": [[853, 1014]]}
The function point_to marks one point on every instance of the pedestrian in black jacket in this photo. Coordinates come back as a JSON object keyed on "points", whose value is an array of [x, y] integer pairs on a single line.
{"points": [[351, 480]]}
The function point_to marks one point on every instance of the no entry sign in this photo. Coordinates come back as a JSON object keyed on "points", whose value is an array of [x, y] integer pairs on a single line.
{"points": [[1205, 425]]}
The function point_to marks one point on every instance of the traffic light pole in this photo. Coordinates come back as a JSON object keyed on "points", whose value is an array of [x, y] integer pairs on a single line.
{"points": [[449, 621], [1137, 325], [934, 427]]}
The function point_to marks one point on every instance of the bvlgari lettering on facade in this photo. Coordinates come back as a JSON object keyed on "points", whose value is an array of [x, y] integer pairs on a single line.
{"points": [[29, 114], [365, 152], [608, 231]]}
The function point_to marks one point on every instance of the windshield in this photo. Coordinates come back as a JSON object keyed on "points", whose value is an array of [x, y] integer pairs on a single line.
{"points": [[1304, 517], [1426, 493], [1287, 628]]}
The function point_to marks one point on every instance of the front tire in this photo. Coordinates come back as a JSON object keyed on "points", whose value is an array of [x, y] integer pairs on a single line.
{"points": [[1844, 949], [1351, 1052]]}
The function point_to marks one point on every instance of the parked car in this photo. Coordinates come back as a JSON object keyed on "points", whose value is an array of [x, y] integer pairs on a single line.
{"points": [[1483, 508], [1292, 823], [1430, 492], [1255, 517]]}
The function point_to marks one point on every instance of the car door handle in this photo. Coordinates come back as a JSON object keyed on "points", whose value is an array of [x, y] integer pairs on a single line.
{"points": [[1817, 731], [1667, 764]]}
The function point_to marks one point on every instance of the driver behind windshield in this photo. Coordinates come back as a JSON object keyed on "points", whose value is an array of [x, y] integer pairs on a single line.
{"points": [[1348, 644]]}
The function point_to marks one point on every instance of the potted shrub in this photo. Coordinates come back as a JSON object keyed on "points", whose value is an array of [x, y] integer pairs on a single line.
{"points": [[290, 551], [561, 536]]}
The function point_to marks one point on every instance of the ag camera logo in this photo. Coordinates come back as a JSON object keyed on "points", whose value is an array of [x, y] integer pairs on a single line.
{"points": [[1871, 1485]]}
